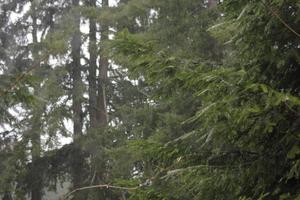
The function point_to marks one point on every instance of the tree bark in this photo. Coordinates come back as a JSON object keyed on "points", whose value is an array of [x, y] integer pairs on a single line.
{"points": [[97, 96], [77, 98], [93, 51], [76, 76], [37, 182], [102, 80]]}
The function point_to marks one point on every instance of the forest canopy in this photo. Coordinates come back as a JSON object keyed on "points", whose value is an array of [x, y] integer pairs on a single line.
{"points": [[150, 100]]}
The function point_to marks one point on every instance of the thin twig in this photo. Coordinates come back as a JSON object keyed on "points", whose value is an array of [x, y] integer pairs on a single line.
{"points": [[274, 13], [65, 197], [191, 168], [20, 78]]}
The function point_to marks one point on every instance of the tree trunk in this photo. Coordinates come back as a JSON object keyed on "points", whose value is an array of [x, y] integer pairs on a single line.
{"points": [[77, 98], [97, 97], [76, 76], [93, 51], [102, 80], [37, 182]]}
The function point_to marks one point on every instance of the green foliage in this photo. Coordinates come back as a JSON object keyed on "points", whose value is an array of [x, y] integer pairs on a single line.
{"points": [[243, 136], [203, 102]]}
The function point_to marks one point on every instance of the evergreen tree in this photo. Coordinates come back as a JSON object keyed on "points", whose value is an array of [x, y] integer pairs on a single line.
{"points": [[170, 99], [236, 137]]}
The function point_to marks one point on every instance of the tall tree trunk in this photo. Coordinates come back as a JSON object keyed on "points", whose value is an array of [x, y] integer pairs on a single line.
{"points": [[97, 102], [102, 86], [76, 76], [36, 190], [102, 80], [77, 98], [93, 51]]}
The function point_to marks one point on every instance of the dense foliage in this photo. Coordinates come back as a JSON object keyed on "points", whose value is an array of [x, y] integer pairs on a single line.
{"points": [[173, 99]]}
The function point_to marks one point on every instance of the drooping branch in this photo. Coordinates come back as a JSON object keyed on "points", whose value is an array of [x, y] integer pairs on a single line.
{"points": [[105, 186], [275, 14]]}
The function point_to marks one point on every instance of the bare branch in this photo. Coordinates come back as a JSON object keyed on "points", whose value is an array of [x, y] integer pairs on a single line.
{"points": [[105, 186]]}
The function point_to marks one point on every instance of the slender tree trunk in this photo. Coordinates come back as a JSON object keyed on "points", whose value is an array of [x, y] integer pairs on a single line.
{"points": [[93, 51], [37, 182], [37, 186], [77, 98], [102, 86], [97, 102], [102, 80], [76, 76]]}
